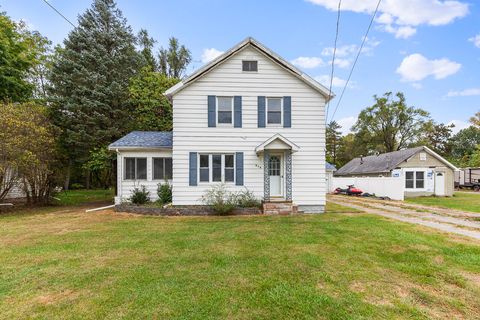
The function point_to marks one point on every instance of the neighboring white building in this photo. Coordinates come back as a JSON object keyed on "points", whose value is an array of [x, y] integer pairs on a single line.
{"points": [[422, 171], [249, 119], [330, 170]]}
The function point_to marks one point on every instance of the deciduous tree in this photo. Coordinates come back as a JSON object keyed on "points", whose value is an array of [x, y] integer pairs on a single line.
{"points": [[174, 60], [390, 124]]}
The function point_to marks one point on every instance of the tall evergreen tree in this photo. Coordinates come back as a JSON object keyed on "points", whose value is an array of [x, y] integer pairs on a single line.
{"points": [[334, 138], [90, 79], [146, 44]]}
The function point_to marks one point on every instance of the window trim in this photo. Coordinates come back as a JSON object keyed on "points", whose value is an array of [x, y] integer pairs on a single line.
{"points": [[414, 171], [210, 167], [266, 113], [135, 167], [218, 110], [164, 168], [249, 60]]}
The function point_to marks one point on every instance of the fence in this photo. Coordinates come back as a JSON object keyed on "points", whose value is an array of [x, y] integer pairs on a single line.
{"points": [[380, 186]]}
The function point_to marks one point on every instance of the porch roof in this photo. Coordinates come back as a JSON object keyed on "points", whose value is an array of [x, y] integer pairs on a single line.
{"points": [[277, 142]]}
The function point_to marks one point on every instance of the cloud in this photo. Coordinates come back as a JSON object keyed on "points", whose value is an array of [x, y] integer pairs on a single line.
{"points": [[400, 17], [459, 125], [210, 54], [416, 67], [347, 124], [337, 82], [342, 51], [475, 40], [345, 54], [308, 62], [464, 93]]}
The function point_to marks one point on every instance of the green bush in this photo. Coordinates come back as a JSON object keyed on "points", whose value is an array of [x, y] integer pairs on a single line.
{"points": [[164, 192], [140, 196], [220, 199], [246, 199], [76, 186]]}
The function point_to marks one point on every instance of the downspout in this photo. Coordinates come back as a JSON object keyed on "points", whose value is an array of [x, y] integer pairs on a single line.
{"points": [[119, 175]]}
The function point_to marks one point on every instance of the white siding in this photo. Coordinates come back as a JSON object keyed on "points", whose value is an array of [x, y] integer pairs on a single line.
{"points": [[192, 134], [125, 187]]}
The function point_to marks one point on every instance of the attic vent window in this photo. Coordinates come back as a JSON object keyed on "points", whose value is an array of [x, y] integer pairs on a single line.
{"points": [[249, 65], [423, 156]]}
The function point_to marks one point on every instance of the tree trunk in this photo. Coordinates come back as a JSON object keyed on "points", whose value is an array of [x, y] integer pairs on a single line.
{"points": [[87, 180], [66, 183]]}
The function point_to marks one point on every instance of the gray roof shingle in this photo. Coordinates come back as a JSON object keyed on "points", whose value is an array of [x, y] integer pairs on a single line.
{"points": [[384, 162], [144, 139], [330, 166]]}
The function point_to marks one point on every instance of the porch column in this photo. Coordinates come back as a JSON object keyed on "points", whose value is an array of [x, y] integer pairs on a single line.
{"points": [[266, 176], [288, 175]]}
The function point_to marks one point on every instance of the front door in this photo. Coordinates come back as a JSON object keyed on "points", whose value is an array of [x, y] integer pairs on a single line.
{"points": [[439, 184], [275, 171]]}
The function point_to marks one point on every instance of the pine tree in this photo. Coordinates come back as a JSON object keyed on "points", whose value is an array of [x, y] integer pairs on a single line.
{"points": [[146, 43], [90, 78]]}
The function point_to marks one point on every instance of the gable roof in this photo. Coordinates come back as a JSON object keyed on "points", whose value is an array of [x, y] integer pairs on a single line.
{"points": [[385, 162], [143, 139], [278, 137], [266, 51]]}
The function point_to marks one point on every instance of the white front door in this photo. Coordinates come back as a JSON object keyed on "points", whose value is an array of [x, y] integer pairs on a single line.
{"points": [[439, 184], [275, 171]]}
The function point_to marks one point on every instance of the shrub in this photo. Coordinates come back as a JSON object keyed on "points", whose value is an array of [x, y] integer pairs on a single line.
{"points": [[76, 186], [246, 199], [219, 199], [140, 196], [164, 192]]}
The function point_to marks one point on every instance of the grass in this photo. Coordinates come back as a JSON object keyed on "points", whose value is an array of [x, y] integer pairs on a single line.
{"points": [[337, 208], [69, 264], [78, 197], [466, 201]]}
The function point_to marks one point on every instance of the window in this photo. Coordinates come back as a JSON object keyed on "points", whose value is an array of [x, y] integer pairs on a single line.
{"points": [[204, 168], [225, 112], [217, 168], [249, 65], [419, 179], [274, 111], [135, 168], [162, 168], [423, 156], [414, 179], [409, 179], [229, 168]]}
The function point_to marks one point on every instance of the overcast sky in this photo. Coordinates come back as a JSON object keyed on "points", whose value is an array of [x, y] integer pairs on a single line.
{"points": [[429, 49]]}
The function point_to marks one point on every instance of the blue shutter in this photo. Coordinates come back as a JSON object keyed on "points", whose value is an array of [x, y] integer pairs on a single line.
{"points": [[237, 112], [193, 169], [239, 168], [287, 112], [212, 112], [261, 112]]}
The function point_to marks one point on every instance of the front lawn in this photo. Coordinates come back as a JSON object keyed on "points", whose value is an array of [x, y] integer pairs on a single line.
{"points": [[466, 201], [78, 197], [108, 266]]}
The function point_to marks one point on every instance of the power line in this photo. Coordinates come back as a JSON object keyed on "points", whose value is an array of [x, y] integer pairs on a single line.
{"points": [[54, 9], [356, 58], [333, 58]]}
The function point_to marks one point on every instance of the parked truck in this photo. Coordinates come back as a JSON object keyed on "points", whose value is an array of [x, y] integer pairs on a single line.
{"points": [[468, 178]]}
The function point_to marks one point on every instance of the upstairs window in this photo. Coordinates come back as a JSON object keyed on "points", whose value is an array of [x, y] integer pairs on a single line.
{"points": [[249, 65], [225, 110], [162, 168], [274, 111], [135, 168]]}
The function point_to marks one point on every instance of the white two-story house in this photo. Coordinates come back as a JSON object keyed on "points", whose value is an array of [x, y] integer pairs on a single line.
{"points": [[248, 119]]}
